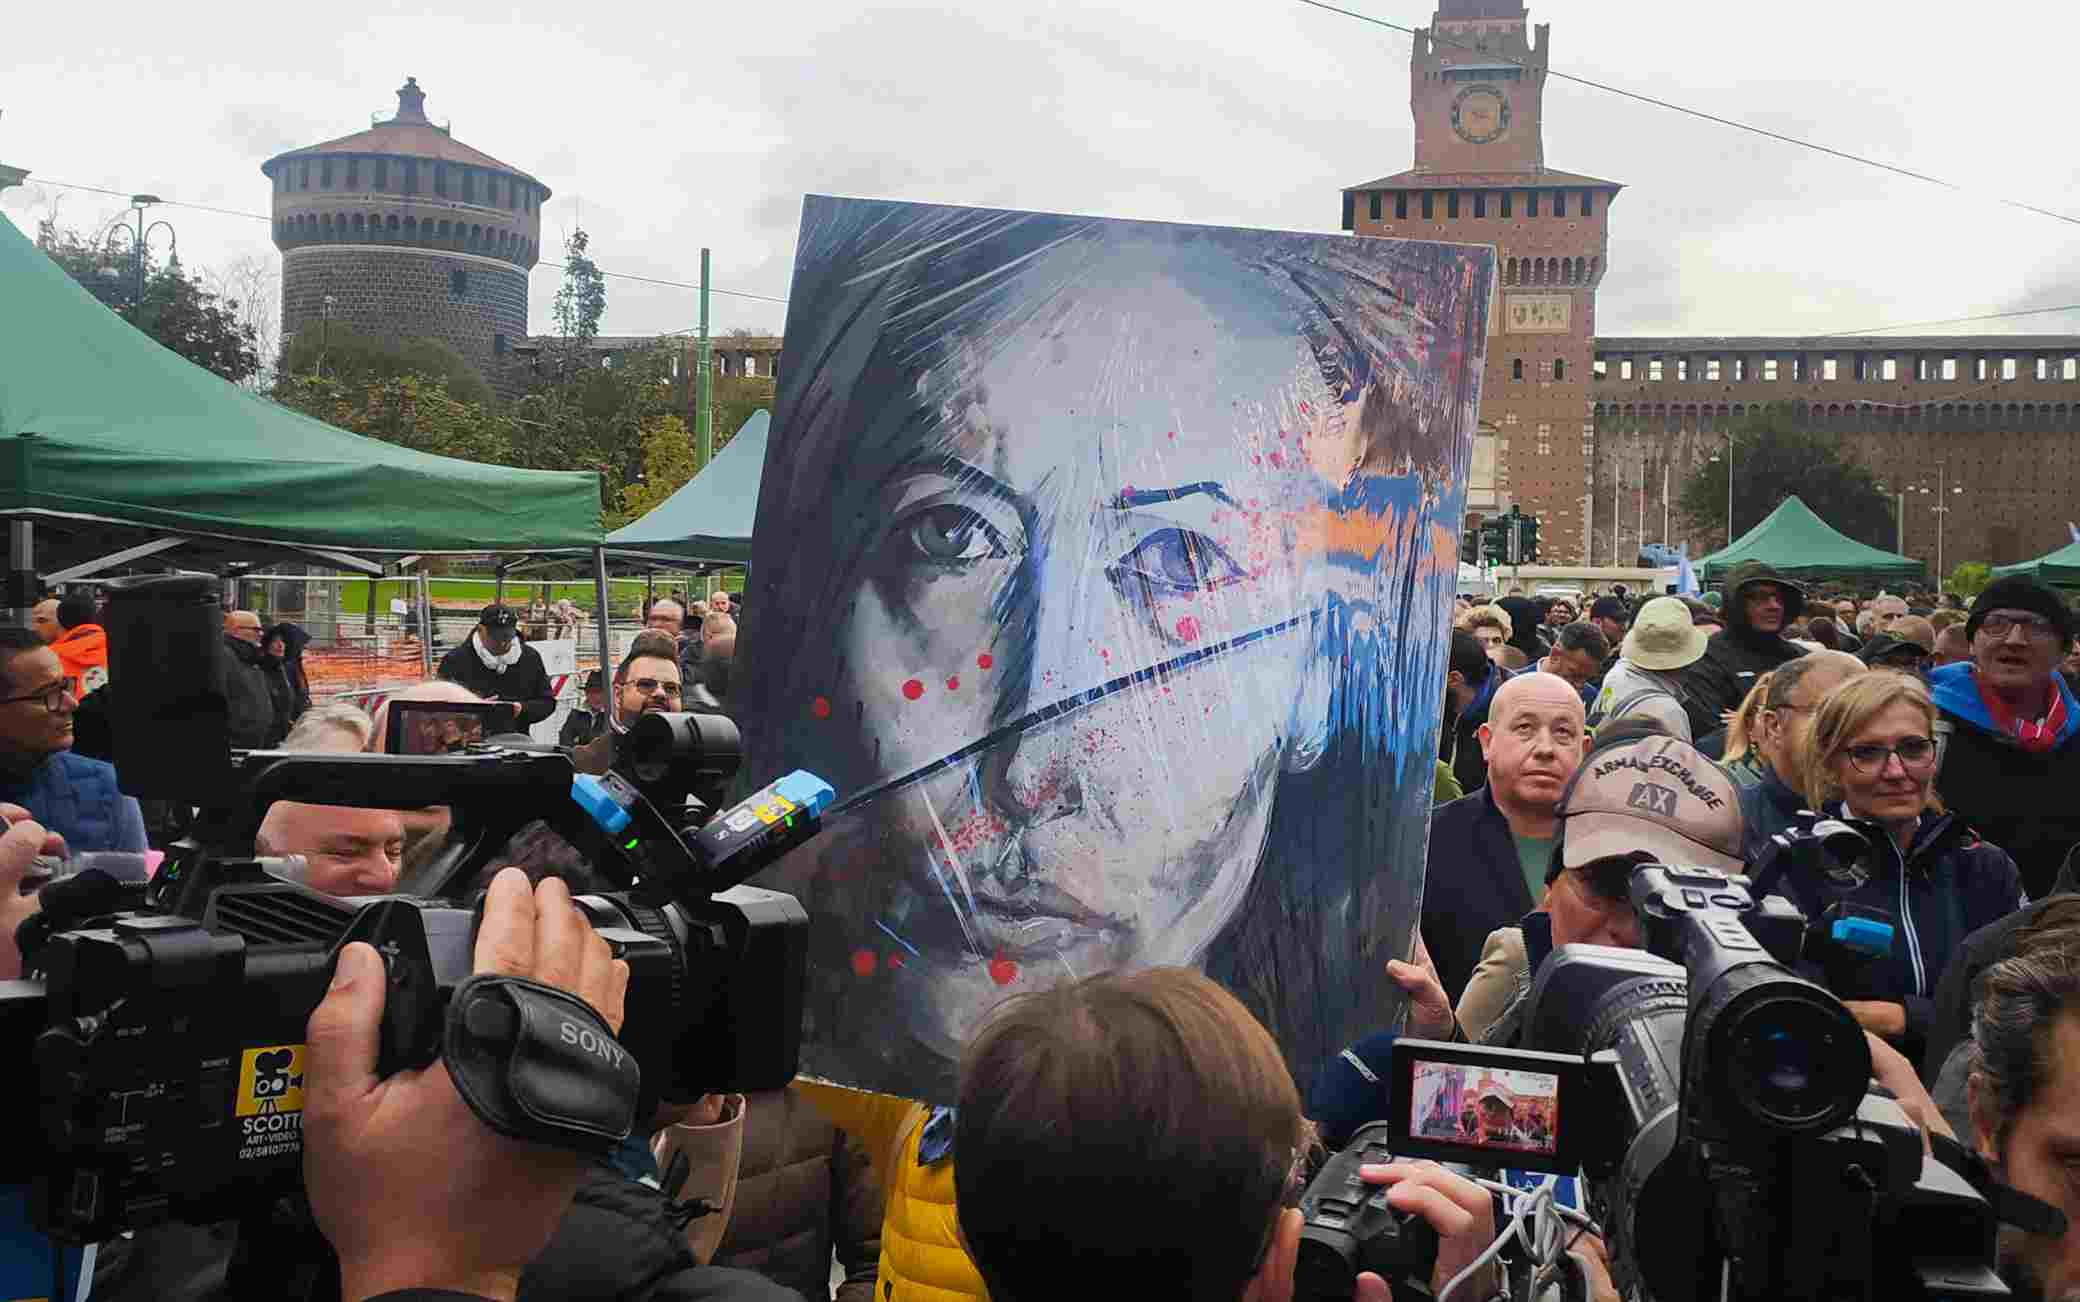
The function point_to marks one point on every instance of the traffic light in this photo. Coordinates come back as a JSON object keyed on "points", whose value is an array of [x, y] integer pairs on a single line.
{"points": [[1470, 545], [1527, 539], [1495, 540]]}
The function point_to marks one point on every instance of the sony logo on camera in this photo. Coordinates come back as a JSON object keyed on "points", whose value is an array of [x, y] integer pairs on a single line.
{"points": [[593, 1042]]}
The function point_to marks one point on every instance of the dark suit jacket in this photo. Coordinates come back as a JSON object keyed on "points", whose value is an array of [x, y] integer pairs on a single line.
{"points": [[1471, 885]]}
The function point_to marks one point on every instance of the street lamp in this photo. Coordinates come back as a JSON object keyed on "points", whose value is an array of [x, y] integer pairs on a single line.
{"points": [[1941, 506], [1714, 459], [140, 244]]}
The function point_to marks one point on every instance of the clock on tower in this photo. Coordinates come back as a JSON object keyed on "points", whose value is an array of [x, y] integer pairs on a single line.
{"points": [[1480, 114]]}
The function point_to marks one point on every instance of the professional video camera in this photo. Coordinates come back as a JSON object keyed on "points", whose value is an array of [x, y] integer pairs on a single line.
{"points": [[168, 1021], [1719, 1106]]}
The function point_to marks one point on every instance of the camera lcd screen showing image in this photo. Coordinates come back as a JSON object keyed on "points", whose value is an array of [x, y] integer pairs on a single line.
{"points": [[444, 727], [1488, 1107], [1494, 1108]]}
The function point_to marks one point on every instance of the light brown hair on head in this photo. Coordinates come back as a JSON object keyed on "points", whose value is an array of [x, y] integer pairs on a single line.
{"points": [[1138, 1128]]}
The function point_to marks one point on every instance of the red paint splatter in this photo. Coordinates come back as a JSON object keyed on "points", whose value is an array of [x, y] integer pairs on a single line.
{"points": [[1305, 409], [1173, 436], [821, 707], [862, 962], [1188, 628], [985, 660], [1002, 970], [913, 689], [953, 684], [1277, 459], [1103, 654], [895, 960], [1257, 460]]}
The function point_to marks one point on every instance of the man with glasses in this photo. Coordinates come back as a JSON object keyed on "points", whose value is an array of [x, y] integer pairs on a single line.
{"points": [[496, 665], [69, 794], [648, 682], [2008, 729]]}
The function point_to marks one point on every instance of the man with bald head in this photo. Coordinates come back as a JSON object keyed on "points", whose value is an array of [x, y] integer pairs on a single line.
{"points": [[1795, 691], [255, 723], [1489, 850]]}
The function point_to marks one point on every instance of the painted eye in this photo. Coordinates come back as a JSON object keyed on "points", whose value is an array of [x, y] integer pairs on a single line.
{"points": [[1173, 562], [953, 533]]}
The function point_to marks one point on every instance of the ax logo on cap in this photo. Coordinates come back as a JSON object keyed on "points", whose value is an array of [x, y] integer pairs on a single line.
{"points": [[1653, 798]]}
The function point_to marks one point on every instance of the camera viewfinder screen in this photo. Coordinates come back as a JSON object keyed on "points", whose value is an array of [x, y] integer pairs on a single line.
{"points": [[1499, 1109], [442, 727]]}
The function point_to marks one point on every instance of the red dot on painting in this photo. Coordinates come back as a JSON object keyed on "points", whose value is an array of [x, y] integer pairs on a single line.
{"points": [[1002, 970], [913, 689], [821, 707], [1188, 629], [862, 962], [985, 660], [1173, 434], [953, 684], [895, 960], [1277, 459]]}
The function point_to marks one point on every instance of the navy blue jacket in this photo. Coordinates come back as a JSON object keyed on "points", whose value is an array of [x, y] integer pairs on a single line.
{"points": [[77, 798], [2023, 800], [1949, 885], [1472, 884], [1767, 808]]}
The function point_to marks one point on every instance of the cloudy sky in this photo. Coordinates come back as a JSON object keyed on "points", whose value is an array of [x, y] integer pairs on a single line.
{"points": [[665, 127]]}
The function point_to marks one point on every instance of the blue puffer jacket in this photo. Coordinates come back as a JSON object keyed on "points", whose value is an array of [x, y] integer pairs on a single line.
{"points": [[77, 798], [1948, 885]]}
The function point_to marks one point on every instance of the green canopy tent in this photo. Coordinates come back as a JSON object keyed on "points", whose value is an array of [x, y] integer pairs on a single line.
{"points": [[115, 451], [2059, 569], [1800, 545]]}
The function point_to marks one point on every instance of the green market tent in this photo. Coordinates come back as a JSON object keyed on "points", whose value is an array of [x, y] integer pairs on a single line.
{"points": [[111, 443], [2060, 569], [1800, 545], [709, 518]]}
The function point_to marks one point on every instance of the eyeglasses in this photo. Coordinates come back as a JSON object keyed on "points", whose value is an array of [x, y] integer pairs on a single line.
{"points": [[52, 697], [2035, 627], [651, 686], [1914, 753]]}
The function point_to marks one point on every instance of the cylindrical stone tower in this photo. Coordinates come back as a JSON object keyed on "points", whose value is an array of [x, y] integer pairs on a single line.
{"points": [[409, 233]]}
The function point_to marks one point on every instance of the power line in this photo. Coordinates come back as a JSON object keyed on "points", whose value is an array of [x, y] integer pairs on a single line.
{"points": [[1955, 320], [1737, 125], [263, 217]]}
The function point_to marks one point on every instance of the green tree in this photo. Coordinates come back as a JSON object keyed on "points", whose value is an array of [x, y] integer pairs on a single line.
{"points": [[175, 308], [357, 359], [733, 399], [581, 300], [411, 411], [1969, 579], [1774, 460], [667, 454]]}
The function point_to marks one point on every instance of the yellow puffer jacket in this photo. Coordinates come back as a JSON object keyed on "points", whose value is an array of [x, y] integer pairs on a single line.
{"points": [[921, 1255]]}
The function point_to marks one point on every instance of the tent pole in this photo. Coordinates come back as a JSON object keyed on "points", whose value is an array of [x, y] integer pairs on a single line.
{"points": [[425, 626], [599, 584], [498, 583], [368, 622], [21, 570]]}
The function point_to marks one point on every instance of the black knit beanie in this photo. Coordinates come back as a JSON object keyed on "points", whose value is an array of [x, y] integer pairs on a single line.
{"points": [[2015, 592]]}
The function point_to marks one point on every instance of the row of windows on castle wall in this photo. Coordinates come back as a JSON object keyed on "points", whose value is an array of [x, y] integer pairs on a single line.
{"points": [[324, 227], [1860, 368], [1480, 203], [1873, 417], [1550, 271], [448, 180]]}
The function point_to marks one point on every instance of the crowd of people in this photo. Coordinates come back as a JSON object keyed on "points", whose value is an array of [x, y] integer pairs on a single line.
{"points": [[1942, 734]]}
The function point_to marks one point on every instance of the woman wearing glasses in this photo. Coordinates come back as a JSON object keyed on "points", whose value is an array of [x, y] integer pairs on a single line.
{"points": [[1871, 760]]}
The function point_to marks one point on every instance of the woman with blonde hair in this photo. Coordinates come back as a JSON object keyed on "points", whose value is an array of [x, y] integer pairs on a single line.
{"points": [[1870, 760], [1741, 760]]}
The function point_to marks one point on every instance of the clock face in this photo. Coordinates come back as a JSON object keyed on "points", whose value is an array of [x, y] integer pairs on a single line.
{"points": [[1480, 114]]}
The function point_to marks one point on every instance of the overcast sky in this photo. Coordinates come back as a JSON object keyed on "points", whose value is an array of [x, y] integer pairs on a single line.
{"points": [[663, 127]]}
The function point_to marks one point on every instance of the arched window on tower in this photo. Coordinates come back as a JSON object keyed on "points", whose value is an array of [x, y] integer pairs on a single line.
{"points": [[1559, 369], [1516, 368], [359, 223], [390, 225], [411, 230], [353, 174], [476, 237], [382, 175]]}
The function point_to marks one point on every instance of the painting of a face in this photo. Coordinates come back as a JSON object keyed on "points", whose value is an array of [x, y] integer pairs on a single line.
{"points": [[1072, 551]]}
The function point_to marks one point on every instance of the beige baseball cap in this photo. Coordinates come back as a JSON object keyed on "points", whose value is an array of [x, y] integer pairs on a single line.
{"points": [[1663, 637], [1654, 794]]}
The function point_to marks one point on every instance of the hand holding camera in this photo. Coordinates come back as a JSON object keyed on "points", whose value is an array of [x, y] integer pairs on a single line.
{"points": [[388, 1160]]}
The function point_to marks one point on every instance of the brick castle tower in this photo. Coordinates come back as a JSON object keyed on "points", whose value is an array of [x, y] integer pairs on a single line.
{"points": [[403, 231], [1477, 90]]}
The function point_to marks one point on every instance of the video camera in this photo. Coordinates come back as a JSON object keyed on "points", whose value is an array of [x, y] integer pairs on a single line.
{"points": [[167, 1022], [1718, 1105]]}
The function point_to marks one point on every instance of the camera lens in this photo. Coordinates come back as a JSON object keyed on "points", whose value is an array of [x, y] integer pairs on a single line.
{"points": [[695, 745], [1798, 1064]]}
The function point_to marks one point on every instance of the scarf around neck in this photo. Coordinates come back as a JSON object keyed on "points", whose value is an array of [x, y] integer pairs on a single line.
{"points": [[2034, 735], [496, 664]]}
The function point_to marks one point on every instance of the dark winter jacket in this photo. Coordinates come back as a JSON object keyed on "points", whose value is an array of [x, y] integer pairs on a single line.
{"points": [[294, 640], [2028, 804], [803, 1187], [256, 722], [1767, 808], [1738, 653], [1527, 628], [1462, 749], [1951, 1022], [1472, 884], [526, 681], [1950, 884]]}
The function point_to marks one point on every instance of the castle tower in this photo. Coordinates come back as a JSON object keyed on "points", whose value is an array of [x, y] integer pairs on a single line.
{"points": [[409, 233], [1477, 91]]}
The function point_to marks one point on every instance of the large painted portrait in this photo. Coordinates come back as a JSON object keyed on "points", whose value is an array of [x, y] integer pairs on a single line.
{"points": [[1104, 568]]}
